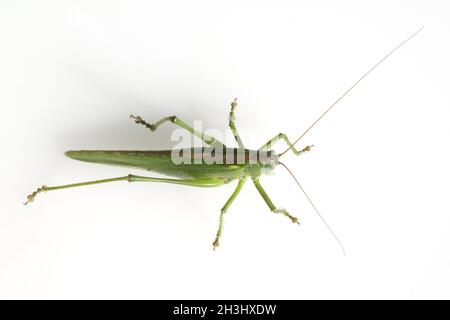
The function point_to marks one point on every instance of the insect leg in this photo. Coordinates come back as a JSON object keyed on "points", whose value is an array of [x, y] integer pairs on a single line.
{"points": [[225, 208], [173, 119], [130, 178], [282, 136], [233, 126], [272, 207]]}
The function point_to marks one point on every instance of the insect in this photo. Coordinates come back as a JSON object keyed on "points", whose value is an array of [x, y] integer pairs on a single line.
{"points": [[241, 163]]}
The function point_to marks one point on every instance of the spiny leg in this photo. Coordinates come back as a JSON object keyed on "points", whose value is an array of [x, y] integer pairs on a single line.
{"points": [[173, 119], [282, 136], [233, 126], [272, 207], [225, 208], [130, 178]]}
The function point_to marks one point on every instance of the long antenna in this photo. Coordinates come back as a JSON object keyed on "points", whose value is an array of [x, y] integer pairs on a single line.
{"points": [[354, 85], [315, 209]]}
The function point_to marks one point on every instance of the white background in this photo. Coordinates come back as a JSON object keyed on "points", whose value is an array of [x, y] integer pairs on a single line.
{"points": [[72, 71]]}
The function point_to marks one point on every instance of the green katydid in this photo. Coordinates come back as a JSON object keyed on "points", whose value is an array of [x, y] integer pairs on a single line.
{"points": [[239, 163]]}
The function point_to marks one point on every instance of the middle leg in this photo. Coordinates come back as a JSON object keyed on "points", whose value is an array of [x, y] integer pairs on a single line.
{"points": [[225, 208], [232, 126]]}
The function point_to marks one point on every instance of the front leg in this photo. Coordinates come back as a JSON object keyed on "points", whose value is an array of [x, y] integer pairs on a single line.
{"points": [[282, 136], [269, 202]]}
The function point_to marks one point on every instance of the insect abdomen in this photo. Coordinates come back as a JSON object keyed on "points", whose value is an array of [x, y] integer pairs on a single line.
{"points": [[159, 161]]}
